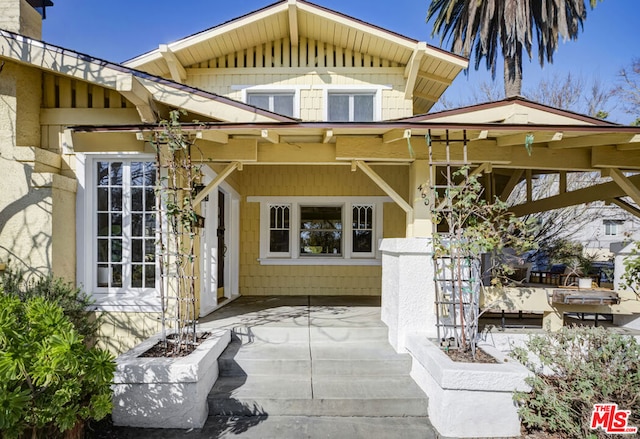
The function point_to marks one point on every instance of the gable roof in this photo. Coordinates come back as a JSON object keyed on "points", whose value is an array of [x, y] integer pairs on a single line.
{"points": [[513, 110], [429, 70], [142, 89]]}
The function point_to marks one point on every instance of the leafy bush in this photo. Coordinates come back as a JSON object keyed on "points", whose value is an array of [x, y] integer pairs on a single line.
{"points": [[630, 279], [50, 381], [73, 301], [574, 369]]}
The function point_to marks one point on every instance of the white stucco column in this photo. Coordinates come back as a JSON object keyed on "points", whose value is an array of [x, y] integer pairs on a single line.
{"points": [[420, 225], [408, 289], [631, 321]]}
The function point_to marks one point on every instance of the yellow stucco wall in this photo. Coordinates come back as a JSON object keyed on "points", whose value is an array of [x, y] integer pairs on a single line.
{"points": [[256, 279], [37, 208], [121, 331]]}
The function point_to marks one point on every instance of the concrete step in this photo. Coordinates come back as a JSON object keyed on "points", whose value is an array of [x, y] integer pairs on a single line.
{"points": [[326, 396], [313, 334], [295, 427], [299, 359]]}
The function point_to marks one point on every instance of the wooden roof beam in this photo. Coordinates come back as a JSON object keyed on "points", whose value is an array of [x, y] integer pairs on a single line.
{"points": [[596, 140], [624, 182], [519, 139], [612, 157], [213, 136], [293, 22], [436, 78], [177, 70], [216, 182], [511, 184], [413, 66], [328, 136], [430, 98], [604, 191], [133, 90], [270, 136], [393, 135], [633, 210]]}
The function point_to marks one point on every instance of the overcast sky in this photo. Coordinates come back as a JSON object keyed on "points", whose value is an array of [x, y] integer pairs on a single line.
{"points": [[119, 30]]}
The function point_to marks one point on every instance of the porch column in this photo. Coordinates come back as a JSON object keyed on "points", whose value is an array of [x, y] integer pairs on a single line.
{"points": [[420, 225], [408, 289]]}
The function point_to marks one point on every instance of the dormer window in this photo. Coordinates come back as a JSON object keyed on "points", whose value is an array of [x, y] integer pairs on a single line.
{"points": [[350, 107]]}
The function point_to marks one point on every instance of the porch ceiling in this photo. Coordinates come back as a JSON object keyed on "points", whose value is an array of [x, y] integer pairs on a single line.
{"points": [[553, 147], [496, 150]]}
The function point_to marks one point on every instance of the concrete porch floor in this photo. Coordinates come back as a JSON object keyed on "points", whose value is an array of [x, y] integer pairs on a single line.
{"points": [[307, 367]]}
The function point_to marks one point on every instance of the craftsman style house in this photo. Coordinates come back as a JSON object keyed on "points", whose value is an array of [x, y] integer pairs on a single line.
{"points": [[314, 137]]}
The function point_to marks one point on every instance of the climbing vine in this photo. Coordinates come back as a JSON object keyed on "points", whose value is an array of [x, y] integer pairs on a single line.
{"points": [[178, 225]]}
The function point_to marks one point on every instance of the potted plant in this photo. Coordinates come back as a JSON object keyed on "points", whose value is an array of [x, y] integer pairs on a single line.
{"points": [[585, 265], [164, 381]]}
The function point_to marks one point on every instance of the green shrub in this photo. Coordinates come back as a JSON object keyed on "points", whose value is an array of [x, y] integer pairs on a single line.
{"points": [[73, 301], [574, 369], [50, 381]]}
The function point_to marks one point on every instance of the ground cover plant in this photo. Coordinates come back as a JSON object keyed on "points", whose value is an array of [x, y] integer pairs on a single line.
{"points": [[573, 369]]}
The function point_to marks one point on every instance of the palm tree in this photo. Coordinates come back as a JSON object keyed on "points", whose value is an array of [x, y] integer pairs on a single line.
{"points": [[489, 25]]}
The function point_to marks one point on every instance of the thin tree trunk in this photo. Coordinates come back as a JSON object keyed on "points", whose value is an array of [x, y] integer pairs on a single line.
{"points": [[513, 74]]}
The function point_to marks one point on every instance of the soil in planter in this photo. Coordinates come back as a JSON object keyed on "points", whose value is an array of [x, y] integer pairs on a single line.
{"points": [[465, 356], [173, 350]]}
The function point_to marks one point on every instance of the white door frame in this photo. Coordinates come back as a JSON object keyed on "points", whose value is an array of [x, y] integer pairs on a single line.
{"points": [[209, 245]]}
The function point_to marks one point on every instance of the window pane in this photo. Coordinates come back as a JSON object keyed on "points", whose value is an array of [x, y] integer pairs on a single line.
{"points": [[116, 199], [136, 276], [362, 217], [150, 199], [103, 224], [362, 240], [279, 241], [116, 250], [103, 250], [320, 230], [104, 275], [338, 108], [136, 199], [116, 174], [150, 250], [321, 217], [150, 225], [116, 275], [136, 224], [283, 104], [363, 108], [103, 199], [149, 174], [149, 276], [258, 100], [136, 250], [116, 224], [137, 174], [103, 173]]}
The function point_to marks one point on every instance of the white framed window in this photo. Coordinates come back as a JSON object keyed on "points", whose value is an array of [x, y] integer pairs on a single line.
{"points": [[350, 106], [320, 230], [277, 102], [611, 227], [279, 230], [117, 245]]}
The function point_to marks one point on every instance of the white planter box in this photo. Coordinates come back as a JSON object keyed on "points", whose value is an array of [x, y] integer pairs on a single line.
{"points": [[468, 399], [166, 392]]}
